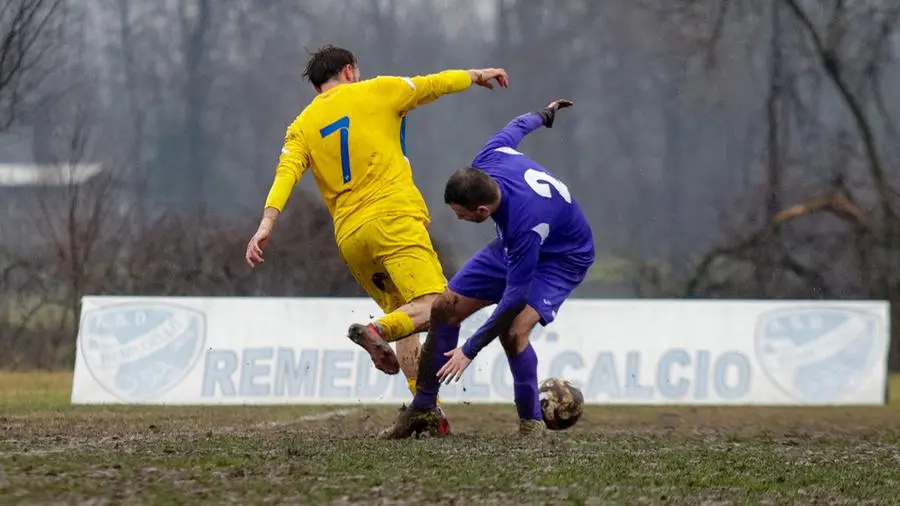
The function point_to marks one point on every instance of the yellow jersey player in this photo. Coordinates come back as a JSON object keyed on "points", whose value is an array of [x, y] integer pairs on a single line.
{"points": [[352, 138]]}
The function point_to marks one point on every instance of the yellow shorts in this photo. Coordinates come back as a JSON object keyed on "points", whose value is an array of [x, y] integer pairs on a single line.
{"points": [[393, 259]]}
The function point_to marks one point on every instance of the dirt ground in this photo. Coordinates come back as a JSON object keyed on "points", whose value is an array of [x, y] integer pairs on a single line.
{"points": [[54, 453]]}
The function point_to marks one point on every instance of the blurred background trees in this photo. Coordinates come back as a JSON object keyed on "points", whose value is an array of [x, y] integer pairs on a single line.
{"points": [[721, 148]]}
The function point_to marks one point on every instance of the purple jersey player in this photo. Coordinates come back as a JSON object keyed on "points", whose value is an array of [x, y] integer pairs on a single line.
{"points": [[543, 249]]}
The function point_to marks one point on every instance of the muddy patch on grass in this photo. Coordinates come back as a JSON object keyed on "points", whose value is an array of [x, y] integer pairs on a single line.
{"points": [[620, 455]]}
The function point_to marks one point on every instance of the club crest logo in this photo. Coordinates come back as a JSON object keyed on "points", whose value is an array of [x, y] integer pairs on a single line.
{"points": [[819, 355], [140, 351]]}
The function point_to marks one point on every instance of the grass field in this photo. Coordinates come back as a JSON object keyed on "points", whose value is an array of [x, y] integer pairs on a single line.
{"points": [[54, 453]]}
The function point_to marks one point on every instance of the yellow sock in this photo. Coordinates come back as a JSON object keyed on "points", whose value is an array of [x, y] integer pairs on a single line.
{"points": [[411, 383], [396, 326]]}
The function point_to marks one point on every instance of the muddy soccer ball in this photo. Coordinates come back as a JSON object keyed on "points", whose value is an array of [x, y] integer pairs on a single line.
{"points": [[561, 403]]}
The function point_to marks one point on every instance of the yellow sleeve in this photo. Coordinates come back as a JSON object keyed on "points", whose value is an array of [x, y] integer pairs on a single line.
{"points": [[407, 93], [292, 164]]}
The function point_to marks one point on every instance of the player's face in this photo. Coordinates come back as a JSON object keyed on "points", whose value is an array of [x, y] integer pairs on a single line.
{"points": [[480, 213]]}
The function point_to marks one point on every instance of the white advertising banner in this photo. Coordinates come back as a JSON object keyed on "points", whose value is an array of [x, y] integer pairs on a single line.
{"points": [[170, 350]]}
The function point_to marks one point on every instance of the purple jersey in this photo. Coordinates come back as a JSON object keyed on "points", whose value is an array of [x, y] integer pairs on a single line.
{"points": [[545, 245], [533, 201]]}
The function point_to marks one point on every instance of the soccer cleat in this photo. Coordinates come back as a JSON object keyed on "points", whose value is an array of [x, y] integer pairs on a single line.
{"points": [[370, 339], [443, 423], [532, 428], [417, 422]]}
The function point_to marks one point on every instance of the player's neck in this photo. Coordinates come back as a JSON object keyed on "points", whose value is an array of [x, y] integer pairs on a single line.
{"points": [[496, 205], [330, 85]]}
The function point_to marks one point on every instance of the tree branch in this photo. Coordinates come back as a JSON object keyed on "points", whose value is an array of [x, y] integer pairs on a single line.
{"points": [[833, 70], [834, 202]]}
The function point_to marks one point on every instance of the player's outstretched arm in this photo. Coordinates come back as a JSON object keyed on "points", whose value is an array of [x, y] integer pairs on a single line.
{"points": [[293, 162], [407, 93], [512, 134]]}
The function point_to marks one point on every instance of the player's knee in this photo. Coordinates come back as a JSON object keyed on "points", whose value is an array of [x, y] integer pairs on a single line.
{"points": [[509, 344], [515, 340], [444, 311], [428, 298]]}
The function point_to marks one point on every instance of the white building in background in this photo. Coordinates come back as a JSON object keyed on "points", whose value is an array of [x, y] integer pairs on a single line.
{"points": [[21, 167], [21, 175], [30, 187]]}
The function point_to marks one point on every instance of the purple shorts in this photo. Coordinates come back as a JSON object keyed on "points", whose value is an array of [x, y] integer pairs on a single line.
{"points": [[484, 277]]}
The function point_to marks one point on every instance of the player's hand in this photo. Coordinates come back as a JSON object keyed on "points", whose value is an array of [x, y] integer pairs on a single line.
{"points": [[255, 247], [548, 114], [483, 77], [560, 104], [453, 369]]}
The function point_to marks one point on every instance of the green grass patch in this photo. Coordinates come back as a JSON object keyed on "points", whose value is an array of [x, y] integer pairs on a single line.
{"points": [[52, 452]]}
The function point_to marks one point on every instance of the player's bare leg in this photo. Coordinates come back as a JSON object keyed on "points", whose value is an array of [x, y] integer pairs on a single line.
{"points": [[423, 415], [409, 348], [396, 326], [418, 312], [523, 365], [402, 326]]}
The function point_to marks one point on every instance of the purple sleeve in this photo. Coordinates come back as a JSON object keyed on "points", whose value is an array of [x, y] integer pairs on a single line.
{"points": [[512, 134], [523, 260]]}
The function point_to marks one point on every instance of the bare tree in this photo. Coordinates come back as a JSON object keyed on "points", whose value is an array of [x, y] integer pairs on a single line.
{"points": [[721, 148], [28, 30], [841, 238]]}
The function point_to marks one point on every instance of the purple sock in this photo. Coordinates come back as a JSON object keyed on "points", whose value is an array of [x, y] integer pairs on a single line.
{"points": [[441, 339], [525, 384]]}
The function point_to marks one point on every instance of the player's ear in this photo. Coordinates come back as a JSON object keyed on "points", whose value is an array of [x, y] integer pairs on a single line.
{"points": [[348, 73]]}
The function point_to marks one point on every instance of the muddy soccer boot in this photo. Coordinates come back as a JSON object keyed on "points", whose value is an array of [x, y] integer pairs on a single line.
{"points": [[532, 428], [414, 422], [370, 339], [443, 423]]}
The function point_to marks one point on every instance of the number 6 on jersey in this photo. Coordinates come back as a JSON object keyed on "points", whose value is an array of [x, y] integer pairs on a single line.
{"points": [[342, 125]]}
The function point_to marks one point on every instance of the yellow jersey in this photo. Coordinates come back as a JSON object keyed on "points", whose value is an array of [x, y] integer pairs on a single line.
{"points": [[352, 137]]}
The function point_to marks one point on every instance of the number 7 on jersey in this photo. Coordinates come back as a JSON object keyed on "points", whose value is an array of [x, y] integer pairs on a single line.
{"points": [[342, 125]]}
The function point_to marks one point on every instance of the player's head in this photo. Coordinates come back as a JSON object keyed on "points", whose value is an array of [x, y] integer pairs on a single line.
{"points": [[331, 63], [472, 195]]}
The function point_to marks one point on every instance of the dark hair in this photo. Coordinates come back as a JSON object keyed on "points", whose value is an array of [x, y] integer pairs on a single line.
{"points": [[327, 62], [470, 188]]}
